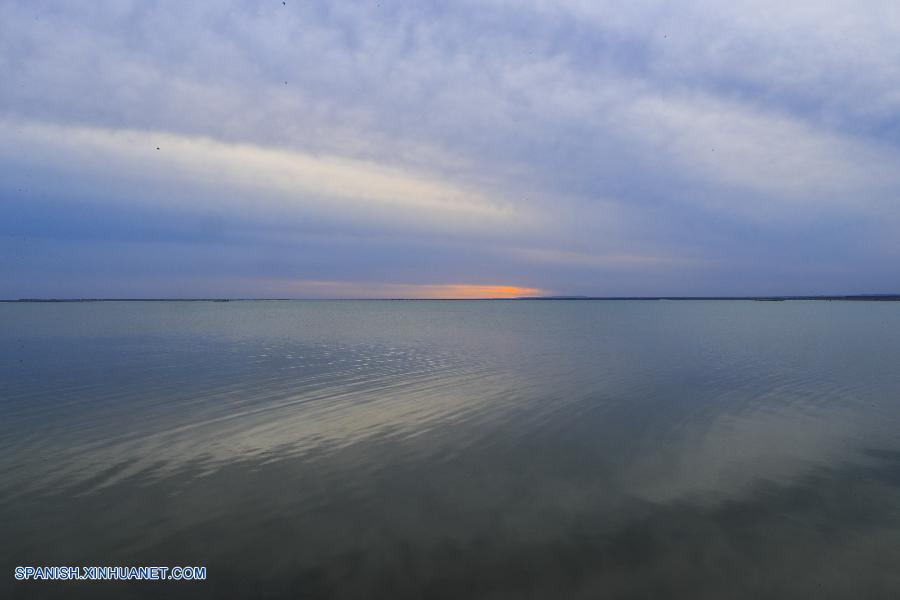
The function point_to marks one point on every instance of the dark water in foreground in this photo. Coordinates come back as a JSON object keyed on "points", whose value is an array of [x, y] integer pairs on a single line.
{"points": [[455, 449]]}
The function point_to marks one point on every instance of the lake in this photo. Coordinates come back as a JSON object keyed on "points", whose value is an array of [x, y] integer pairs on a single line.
{"points": [[454, 449]]}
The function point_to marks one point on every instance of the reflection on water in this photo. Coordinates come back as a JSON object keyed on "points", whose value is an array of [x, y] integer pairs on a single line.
{"points": [[494, 449]]}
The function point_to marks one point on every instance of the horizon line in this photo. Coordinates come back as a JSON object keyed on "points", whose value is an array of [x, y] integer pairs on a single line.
{"points": [[871, 296]]}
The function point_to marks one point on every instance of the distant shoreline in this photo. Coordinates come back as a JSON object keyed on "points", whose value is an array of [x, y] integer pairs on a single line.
{"points": [[858, 297], [843, 298]]}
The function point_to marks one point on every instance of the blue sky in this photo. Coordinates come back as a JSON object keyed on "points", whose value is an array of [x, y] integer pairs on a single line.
{"points": [[490, 148]]}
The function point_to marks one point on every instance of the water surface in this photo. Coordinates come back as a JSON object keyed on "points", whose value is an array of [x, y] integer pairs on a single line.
{"points": [[492, 449]]}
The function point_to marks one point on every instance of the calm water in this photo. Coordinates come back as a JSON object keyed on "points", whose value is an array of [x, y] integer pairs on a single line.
{"points": [[502, 449]]}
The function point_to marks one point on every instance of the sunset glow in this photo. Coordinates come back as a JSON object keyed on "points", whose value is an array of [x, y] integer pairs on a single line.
{"points": [[469, 291], [353, 290]]}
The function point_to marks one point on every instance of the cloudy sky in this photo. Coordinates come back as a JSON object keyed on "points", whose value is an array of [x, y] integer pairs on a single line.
{"points": [[449, 149]]}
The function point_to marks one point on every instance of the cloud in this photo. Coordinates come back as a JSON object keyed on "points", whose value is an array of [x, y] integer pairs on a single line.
{"points": [[583, 147], [283, 178], [783, 159]]}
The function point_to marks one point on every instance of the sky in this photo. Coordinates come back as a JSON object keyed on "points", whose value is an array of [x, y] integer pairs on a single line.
{"points": [[327, 149]]}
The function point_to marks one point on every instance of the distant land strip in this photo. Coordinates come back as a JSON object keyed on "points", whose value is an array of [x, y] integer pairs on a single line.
{"points": [[856, 297], [843, 298]]}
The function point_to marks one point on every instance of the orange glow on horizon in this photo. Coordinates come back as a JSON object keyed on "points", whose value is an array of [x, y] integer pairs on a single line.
{"points": [[472, 291], [412, 291]]}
